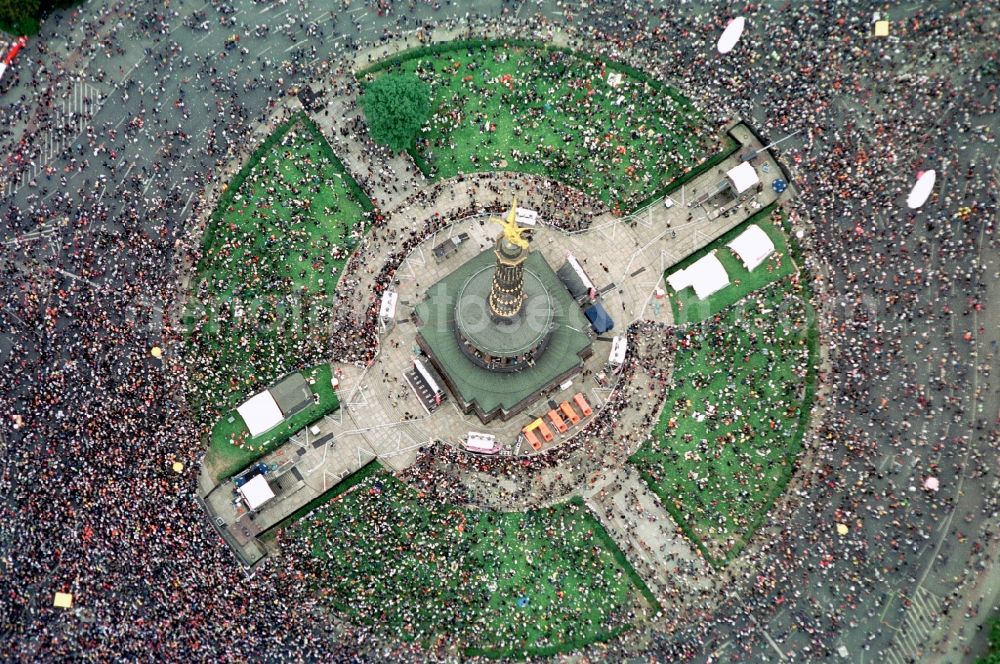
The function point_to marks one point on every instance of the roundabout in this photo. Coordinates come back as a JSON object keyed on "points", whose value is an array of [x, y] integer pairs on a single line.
{"points": [[481, 338], [715, 388]]}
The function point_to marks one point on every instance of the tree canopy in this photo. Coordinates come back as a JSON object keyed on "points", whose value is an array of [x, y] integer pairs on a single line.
{"points": [[992, 656], [396, 106], [19, 17]]}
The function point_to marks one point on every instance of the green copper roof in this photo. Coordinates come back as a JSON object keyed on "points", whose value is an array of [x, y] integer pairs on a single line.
{"points": [[486, 388], [506, 339]]}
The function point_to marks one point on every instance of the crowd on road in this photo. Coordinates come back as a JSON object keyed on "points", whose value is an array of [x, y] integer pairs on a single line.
{"points": [[90, 504]]}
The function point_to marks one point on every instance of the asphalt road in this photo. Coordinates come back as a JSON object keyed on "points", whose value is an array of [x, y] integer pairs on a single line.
{"points": [[165, 63]]}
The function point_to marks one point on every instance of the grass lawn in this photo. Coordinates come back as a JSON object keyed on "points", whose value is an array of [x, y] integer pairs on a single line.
{"points": [[546, 111], [733, 421], [688, 308], [271, 259], [500, 584], [230, 446]]}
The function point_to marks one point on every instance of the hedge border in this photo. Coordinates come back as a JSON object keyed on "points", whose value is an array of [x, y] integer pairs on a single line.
{"points": [[460, 44], [569, 646], [340, 488], [619, 556], [466, 44], [731, 148], [805, 415], [234, 185], [373, 467], [732, 232], [717, 243], [359, 194], [237, 181], [668, 505]]}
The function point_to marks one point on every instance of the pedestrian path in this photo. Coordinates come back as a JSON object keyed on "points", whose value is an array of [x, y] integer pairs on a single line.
{"points": [[922, 616], [387, 178], [72, 115], [316, 458], [646, 534]]}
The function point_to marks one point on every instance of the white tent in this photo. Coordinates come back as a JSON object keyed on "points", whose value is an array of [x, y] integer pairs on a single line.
{"points": [[743, 177], [256, 492], [706, 275], [753, 246], [678, 280], [388, 308], [260, 412], [619, 345], [526, 217], [483, 442]]}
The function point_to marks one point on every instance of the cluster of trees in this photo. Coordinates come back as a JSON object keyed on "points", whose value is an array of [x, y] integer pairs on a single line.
{"points": [[396, 106], [22, 17]]}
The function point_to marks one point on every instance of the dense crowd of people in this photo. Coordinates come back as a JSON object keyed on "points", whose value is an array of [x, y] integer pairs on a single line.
{"points": [[606, 133], [438, 574], [724, 443], [92, 422], [270, 268]]}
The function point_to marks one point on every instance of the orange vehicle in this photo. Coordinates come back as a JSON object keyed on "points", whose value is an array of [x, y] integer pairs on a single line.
{"points": [[569, 412], [532, 439], [557, 421], [582, 404], [545, 430]]}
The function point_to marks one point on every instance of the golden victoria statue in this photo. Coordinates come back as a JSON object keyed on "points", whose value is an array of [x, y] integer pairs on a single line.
{"points": [[511, 231]]}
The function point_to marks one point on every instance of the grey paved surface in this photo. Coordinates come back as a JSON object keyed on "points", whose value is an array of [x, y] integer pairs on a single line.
{"points": [[898, 609]]}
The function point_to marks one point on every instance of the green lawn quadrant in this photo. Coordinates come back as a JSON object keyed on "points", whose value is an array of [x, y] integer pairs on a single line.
{"points": [[733, 420], [687, 308], [540, 109], [230, 446], [272, 255], [496, 583]]}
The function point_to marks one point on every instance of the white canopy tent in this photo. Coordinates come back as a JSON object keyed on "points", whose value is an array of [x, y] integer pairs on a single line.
{"points": [[678, 280], [388, 308], [483, 442], [260, 412], [753, 246], [256, 492], [743, 177], [619, 345], [526, 217], [706, 276]]}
